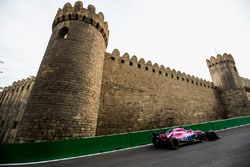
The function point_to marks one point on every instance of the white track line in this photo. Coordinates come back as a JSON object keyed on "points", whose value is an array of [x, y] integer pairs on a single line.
{"points": [[70, 158]]}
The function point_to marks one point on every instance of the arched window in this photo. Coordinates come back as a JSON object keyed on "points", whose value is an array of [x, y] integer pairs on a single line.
{"points": [[235, 69], [63, 33]]}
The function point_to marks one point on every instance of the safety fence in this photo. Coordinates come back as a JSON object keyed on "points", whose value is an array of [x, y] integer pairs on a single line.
{"points": [[42, 151]]}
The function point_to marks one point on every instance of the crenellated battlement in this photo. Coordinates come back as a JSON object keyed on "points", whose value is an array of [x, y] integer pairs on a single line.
{"points": [[20, 84], [87, 15], [13, 91], [155, 68], [220, 59]]}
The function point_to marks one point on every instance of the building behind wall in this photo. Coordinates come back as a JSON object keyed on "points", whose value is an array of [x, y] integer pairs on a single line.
{"points": [[81, 90], [13, 100]]}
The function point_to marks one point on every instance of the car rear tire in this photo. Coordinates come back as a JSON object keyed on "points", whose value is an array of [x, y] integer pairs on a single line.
{"points": [[173, 143], [156, 142]]}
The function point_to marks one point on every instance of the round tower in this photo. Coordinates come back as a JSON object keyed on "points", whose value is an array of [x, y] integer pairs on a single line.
{"points": [[65, 98], [223, 72]]}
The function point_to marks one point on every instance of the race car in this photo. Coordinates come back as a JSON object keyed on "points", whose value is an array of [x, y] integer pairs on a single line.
{"points": [[176, 137]]}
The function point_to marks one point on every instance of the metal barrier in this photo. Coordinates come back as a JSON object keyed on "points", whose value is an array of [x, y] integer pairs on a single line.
{"points": [[42, 151]]}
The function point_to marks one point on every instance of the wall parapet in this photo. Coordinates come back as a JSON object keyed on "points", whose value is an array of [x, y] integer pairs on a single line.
{"points": [[17, 86], [155, 68]]}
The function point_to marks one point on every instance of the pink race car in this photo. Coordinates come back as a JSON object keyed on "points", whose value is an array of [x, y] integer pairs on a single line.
{"points": [[175, 137]]}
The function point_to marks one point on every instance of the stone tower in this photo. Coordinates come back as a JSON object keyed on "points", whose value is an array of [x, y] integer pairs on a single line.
{"points": [[226, 78], [65, 98], [224, 72]]}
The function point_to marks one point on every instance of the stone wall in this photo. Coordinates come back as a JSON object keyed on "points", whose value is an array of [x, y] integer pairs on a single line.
{"points": [[12, 104], [236, 103], [137, 95], [134, 96]]}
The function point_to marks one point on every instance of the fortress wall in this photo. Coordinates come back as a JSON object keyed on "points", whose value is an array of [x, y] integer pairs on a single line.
{"points": [[136, 95], [236, 102], [12, 104]]}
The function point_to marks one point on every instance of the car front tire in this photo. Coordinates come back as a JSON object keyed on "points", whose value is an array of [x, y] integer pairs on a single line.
{"points": [[211, 135]]}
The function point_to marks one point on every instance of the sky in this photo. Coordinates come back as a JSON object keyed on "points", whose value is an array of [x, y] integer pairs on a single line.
{"points": [[180, 34]]}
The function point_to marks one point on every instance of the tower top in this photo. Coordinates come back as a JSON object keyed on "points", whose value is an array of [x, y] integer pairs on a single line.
{"points": [[220, 59], [224, 72], [87, 15]]}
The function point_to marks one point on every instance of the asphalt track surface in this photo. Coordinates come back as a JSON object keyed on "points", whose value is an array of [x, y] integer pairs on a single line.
{"points": [[232, 150]]}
